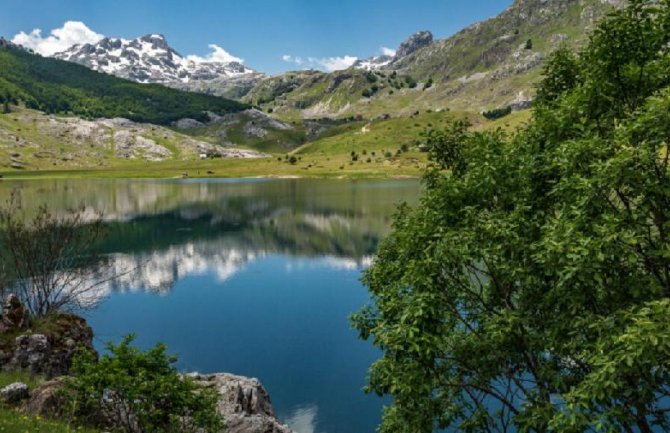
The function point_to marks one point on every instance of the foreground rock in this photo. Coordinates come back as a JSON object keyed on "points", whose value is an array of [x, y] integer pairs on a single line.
{"points": [[244, 403], [48, 353], [14, 315], [14, 393]]}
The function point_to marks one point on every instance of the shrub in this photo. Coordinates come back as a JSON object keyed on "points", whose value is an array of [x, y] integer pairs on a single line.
{"points": [[529, 44], [136, 391], [497, 113], [50, 260]]}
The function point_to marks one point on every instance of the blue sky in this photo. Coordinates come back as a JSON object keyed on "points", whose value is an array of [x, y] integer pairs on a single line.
{"points": [[259, 31]]}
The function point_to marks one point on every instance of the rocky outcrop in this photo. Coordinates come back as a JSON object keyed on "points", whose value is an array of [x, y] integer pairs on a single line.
{"points": [[47, 353], [47, 399], [244, 403], [414, 43], [14, 393], [14, 315]]}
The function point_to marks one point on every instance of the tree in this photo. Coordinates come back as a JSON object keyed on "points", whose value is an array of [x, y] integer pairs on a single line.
{"points": [[530, 288], [529, 44], [49, 258], [138, 391]]}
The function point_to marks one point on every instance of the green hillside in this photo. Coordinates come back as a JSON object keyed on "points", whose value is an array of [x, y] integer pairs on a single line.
{"points": [[56, 86], [488, 65]]}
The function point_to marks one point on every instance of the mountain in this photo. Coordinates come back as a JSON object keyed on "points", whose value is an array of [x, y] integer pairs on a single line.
{"points": [[149, 59], [56, 86], [490, 64]]}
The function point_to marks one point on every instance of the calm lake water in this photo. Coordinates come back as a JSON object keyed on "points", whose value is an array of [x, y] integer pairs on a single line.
{"points": [[252, 277]]}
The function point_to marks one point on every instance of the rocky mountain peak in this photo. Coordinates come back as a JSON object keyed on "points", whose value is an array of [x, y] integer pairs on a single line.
{"points": [[414, 43], [150, 59]]}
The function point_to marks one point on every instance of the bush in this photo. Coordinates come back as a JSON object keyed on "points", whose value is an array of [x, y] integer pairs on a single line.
{"points": [[497, 113], [49, 258], [136, 391], [411, 82], [293, 160], [529, 44]]}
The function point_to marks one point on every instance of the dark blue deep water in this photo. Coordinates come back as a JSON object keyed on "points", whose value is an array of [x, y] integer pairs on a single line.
{"points": [[249, 277]]}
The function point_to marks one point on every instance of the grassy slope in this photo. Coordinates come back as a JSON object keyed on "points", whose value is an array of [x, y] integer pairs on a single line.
{"points": [[58, 86], [276, 140], [493, 47], [13, 421], [54, 142], [329, 156]]}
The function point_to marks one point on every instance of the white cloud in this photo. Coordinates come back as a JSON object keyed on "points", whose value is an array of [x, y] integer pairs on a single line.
{"points": [[387, 51], [331, 64], [218, 54], [60, 39], [290, 59]]}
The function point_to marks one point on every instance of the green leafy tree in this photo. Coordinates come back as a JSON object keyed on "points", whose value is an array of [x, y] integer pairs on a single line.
{"points": [[136, 391], [530, 289]]}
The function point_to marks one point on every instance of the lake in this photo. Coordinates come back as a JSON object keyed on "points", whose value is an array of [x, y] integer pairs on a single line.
{"points": [[252, 277]]}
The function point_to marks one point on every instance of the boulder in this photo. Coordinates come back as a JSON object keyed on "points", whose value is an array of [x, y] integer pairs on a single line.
{"points": [[49, 354], [47, 399], [244, 403], [14, 393], [14, 315]]}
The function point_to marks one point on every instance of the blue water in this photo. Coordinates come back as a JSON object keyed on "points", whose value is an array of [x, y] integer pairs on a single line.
{"points": [[255, 278], [282, 319]]}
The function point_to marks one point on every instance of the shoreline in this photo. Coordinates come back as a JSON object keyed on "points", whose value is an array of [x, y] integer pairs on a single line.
{"points": [[13, 176]]}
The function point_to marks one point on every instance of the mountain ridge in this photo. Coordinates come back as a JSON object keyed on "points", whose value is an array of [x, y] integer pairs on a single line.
{"points": [[149, 59]]}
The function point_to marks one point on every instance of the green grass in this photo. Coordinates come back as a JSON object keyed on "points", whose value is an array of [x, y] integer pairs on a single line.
{"points": [[328, 156], [14, 421], [7, 378], [334, 166]]}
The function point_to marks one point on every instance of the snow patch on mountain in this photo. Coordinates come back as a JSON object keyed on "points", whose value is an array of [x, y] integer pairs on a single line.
{"points": [[149, 59]]}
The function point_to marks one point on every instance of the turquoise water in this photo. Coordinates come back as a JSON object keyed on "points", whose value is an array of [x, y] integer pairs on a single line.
{"points": [[250, 277]]}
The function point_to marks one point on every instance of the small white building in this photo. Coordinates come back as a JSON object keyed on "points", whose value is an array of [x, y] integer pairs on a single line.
{"points": [[203, 156]]}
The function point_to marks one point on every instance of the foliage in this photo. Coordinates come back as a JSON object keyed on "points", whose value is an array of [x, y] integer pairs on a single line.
{"points": [[497, 113], [411, 82], [136, 391], [49, 258], [56, 86], [530, 289], [12, 421]]}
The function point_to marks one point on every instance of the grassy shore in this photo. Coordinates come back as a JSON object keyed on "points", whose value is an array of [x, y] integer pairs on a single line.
{"points": [[13, 420], [335, 166], [362, 150]]}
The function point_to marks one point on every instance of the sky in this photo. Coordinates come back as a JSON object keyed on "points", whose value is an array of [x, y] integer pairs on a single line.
{"points": [[271, 36]]}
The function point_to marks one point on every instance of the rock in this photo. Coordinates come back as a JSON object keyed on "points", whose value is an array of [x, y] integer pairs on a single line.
{"points": [[14, 393], [47, 400], [253, 131], [244, 403], [14, 314], [521, 102], [187, 124], [49, 354], [414, 43]]}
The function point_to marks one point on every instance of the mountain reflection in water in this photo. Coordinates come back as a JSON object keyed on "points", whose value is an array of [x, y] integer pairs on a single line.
{"points": [[255, 277]]}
